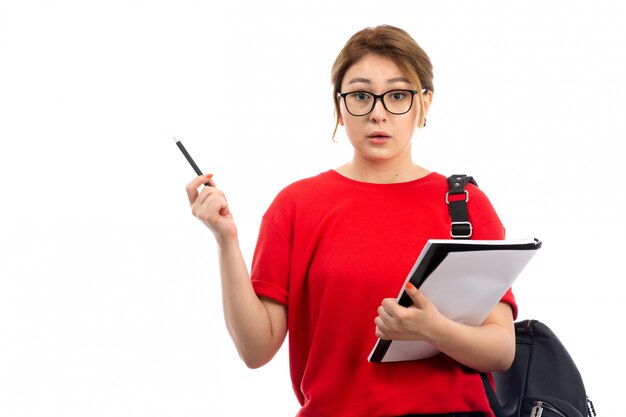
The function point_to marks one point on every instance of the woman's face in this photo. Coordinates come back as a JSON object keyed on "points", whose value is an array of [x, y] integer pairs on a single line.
{"points": [[379, 135]]}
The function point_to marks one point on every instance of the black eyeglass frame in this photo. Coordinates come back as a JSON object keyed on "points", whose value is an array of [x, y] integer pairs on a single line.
{"points": [[380, 97]]}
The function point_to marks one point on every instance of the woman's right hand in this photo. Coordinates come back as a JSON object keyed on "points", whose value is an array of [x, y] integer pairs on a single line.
{"points": [[211, 208]]}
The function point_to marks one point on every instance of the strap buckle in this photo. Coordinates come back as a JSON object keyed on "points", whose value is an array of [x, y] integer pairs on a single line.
{"points": [[461, 230], [466, 196]]}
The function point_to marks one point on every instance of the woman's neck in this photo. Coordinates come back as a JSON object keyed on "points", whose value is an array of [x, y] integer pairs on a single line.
{"points": [[381, 173]]}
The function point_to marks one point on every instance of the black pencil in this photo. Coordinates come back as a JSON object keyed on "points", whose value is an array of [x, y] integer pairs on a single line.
{"points": [[189, 159]]}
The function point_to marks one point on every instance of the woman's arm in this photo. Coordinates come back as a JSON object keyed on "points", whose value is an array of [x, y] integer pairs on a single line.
{"points": [[485, 348], [258, 326]]}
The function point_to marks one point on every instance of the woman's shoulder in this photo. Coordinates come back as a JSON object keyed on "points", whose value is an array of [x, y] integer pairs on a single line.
{"points": [[471, 188], [306, 186], [302, 191]]}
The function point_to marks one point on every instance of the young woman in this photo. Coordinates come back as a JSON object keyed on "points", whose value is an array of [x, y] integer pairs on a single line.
{"points": [[334, 249]]}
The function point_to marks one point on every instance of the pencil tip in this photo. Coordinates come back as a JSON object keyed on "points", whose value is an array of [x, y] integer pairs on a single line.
{"points": [[175, 140]]}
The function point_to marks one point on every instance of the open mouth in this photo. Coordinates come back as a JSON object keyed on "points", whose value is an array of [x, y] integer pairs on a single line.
{"points": [[378, 135]]}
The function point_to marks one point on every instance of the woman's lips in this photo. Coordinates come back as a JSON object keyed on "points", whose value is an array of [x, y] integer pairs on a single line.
{"points": [[378, 137]]}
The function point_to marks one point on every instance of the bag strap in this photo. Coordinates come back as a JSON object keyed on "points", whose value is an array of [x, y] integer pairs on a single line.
{"points": [[456, 199], [461, 228], [495, 405]]}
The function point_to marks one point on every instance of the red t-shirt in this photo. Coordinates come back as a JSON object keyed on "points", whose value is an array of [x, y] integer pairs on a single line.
{"points": [[330, 249]]}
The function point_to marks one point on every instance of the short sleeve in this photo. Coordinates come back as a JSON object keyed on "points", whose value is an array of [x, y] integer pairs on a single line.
{"points": [[271, 263], [509, 299]]}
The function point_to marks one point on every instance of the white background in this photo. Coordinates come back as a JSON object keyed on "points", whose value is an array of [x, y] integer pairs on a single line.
{"points": [[109, 290]]}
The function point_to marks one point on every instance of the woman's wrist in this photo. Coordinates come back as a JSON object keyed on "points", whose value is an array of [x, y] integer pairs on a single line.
{"points": [[227, 242]]}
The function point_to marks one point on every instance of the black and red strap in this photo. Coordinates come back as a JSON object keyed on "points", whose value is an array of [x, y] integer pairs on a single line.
{"points": [[456, 199]]}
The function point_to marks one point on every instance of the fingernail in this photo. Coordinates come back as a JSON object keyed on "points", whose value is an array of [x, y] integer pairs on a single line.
{"points": [[209, 175], [409, 285]]}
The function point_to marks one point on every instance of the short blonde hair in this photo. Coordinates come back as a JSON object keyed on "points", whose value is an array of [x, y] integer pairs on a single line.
{"points": [[390, 42]]}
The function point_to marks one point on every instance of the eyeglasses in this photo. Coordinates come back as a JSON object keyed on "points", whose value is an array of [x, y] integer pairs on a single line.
{"points": [[361, 103]]}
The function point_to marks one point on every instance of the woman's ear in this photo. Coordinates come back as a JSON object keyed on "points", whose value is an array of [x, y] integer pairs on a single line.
{"points": [[338, 111], [428, 99]]}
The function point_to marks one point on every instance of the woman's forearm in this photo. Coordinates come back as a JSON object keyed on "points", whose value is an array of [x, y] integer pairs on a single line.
{"points": [[485, 348], [257, 326]]}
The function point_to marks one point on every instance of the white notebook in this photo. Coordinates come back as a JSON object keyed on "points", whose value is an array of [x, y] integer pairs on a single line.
{"points": [[465, 279]]}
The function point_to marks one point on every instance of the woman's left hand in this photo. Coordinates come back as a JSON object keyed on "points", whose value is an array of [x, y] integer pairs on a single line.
{"points": [[416, 322], [486, 348]]}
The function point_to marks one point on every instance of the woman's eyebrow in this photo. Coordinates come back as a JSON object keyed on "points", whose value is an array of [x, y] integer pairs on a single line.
{"points": [[389, 81], [359, 80]]}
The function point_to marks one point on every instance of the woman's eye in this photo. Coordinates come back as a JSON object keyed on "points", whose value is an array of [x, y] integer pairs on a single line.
{"points": [[397, 95], [361, 96]]}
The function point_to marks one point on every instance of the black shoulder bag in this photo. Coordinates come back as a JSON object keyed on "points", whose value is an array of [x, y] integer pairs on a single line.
{"points": [[543, 380]]}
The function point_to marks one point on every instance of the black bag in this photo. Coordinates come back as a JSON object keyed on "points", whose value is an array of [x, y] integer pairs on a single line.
{"points": [[543, 380]]}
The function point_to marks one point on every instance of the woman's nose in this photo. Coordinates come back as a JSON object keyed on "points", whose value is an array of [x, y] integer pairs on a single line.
{"points": [[379, 113]]}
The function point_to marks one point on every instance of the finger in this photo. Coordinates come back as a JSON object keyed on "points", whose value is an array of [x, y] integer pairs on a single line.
{"points": [[380, 328], [210, 181], [383, 316], [211, 202], [390, 306], [218, 204], [207, 193], [381, 334], [192, 187], [419, 300]]}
